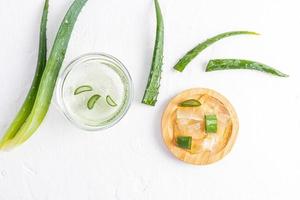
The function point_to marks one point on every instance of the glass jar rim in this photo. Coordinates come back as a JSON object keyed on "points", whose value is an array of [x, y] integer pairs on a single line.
{"points": [[81, 59]]}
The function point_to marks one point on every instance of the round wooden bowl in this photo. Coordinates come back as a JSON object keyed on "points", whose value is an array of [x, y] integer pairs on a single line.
{"points": [[205, 157]]}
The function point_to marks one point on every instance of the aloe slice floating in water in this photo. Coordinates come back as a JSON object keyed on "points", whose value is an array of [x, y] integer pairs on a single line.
{"points": [[110, 101], [92, 101], [82, 89]]}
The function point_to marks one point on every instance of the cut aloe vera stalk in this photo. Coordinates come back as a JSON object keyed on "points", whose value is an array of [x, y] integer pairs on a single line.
{"points": [[92, 101], [84, 88], [110, 101]]}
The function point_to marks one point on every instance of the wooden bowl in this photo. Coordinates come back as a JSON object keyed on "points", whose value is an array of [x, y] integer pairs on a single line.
{"points": [[205, 157]]}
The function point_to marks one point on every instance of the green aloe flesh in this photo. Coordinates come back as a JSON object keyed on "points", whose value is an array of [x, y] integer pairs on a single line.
{"points": [[184, 142], [183, 62], [49, 77], [110, 101], [26, 108], [152, 90], [82, 89], [211, 124], [92, 101], [227, 64], [190, 103]]}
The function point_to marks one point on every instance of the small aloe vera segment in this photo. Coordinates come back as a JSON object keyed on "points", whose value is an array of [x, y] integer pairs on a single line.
{"points": [[82, 89], [190, 103], [92, 101], [184, 142], [211, 124], [110, 101]]}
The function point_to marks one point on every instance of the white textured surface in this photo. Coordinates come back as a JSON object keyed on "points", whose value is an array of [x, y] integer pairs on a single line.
{"points": [[130, 161]]}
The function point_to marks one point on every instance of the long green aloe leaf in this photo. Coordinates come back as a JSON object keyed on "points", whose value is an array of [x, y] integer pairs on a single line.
{"points": [[29, 101], [49, 78], [152, 90], [183, 62], [232, 64]]}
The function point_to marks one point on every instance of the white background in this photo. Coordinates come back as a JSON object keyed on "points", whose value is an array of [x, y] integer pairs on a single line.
{"points": [[130, 160]]}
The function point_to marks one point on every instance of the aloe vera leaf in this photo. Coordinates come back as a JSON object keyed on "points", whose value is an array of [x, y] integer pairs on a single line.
{"points": [[227, 64], [185, 60], [152, 90], [31, 96], [92, 101], [184, 142], [49, 78]]}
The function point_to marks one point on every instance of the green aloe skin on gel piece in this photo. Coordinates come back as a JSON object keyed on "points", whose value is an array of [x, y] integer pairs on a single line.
{"points": [[190, 103], [82, 89], [184, 142], [211, 124]]}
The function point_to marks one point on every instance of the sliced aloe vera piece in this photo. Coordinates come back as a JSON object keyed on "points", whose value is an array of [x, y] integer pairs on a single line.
{"points": [[84, 88], [110, 101], [184, 142], [92, 101], [190, 103]]}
